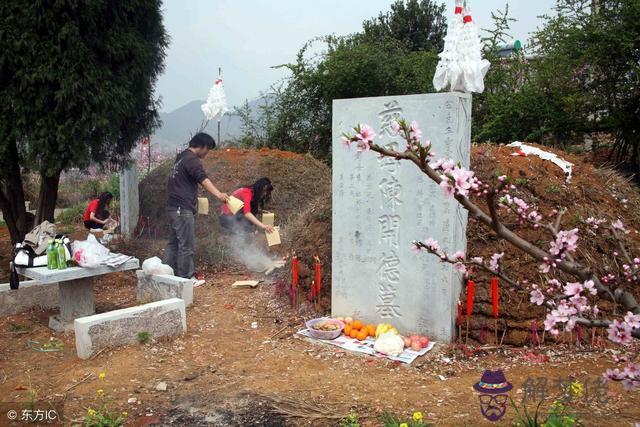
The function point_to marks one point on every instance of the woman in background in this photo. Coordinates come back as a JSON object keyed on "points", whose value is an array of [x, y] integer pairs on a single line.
{"points": [[254, 197], [96, 215]]}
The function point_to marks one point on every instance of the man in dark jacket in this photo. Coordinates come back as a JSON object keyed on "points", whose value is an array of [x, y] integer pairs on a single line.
{"points": [[185, 176]]}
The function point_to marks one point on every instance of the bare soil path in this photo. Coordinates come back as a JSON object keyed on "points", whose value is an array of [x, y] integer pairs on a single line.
{"points": [[224, 372]]}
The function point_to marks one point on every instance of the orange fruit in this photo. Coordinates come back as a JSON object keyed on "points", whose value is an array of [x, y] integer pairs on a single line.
{"points": [[357, 324], [353, 333], [347, 329], [372, 330], [362, 335]]}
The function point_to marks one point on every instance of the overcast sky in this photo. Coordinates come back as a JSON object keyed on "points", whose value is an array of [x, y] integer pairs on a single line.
{"points": [[247, 37]]}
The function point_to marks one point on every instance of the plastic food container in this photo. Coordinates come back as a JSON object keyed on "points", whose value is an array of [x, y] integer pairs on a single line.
{"points": [[325, 335]]}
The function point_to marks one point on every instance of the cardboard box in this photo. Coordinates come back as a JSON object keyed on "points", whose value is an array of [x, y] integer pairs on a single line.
{"points": [[235, 204]]}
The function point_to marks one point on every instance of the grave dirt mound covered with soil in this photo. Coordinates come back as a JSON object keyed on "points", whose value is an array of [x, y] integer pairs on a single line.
{"points": [[298, 180], [601, 193]]}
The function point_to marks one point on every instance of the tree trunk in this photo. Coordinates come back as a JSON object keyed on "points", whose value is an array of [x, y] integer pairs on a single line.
{"points": [[12, 196], [47, 198]]}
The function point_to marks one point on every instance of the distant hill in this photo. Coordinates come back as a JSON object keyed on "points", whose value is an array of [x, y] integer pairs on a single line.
{"points": [[178, 125]]}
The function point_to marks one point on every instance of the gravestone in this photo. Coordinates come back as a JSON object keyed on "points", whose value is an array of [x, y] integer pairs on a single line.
{"points": [[381, 205], [129, 200]]}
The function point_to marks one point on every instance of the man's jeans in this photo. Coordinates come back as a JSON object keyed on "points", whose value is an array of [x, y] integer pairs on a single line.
{"points": [[179, 251]]}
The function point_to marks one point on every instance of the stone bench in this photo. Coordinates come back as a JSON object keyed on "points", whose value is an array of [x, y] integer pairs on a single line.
{"points": [[159, 287], [121, 327], [31, 293]]}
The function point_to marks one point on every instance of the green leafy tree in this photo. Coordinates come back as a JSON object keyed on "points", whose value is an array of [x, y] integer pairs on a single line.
{"points": [[418, 24], [76, 87]]}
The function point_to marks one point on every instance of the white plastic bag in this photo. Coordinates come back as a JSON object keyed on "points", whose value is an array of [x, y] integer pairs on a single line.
{"points": [[89, 253], [155, 266]]}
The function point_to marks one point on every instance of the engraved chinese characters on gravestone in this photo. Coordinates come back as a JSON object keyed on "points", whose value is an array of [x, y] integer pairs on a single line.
{"points": [[381, 205]]}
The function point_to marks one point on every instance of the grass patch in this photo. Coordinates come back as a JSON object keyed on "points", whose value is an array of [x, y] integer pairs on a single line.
{"points": [[144, 337]]}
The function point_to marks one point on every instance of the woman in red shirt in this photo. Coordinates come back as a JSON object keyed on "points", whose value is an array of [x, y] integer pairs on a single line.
{"points": [[96, 215], [254, 197]]}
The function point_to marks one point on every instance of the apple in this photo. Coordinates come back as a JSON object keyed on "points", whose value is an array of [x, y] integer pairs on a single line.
{"points": [[424, 341], [415, 345]]}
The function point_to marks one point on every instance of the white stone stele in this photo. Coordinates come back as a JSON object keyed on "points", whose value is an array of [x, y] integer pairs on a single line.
{"points": [[121, 327], [159, 287], [129, 200], [30, 294], [381, 205]]}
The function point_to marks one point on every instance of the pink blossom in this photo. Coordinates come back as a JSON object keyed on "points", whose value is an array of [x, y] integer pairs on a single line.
{"points": [[573, 289], [534, 216], [460, 267], [437, 164], [537, 297], [633, 320], [618, 225], [595, 310], [346, 142], [494, 264], [366, 134], [632, 371], [580, 303], [591, 287], [395, 126], [459, 255], [416, 133], [477, 260], [620, 332], [448, 189], [613, 374], [432, 245], [566, 241], [502, 178], [447, 166]]}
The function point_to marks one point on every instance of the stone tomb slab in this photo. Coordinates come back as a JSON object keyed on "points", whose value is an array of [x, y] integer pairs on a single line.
{"points": [[381, 205], [158, 287], [121, 327], [30, 294]]}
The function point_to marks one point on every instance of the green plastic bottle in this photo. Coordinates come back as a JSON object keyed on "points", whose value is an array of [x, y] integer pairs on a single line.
{"points": [[52, 256], [62, 257]]}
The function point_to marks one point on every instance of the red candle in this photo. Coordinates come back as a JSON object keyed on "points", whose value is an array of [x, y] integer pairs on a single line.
{"points": [[470, 290], [494, 296], [295, 278], [318, 276]]}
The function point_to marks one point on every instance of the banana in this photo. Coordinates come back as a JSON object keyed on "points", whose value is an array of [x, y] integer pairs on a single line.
{"points": [[384, 328]]}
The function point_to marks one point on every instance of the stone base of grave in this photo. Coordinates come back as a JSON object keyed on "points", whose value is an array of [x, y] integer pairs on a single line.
{"points": [[30, 294], [59, 325], [121, 327], [159, 287]]}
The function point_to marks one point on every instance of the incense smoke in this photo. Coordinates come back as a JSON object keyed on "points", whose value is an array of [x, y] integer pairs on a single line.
{"points": [[245, 250]]}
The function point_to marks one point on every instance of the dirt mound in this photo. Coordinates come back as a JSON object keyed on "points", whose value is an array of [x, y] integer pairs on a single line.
{"points": [[297, 181], [601, 193]]}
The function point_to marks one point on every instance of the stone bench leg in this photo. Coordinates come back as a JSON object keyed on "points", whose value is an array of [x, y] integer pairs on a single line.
{"points": [[77, 299]]}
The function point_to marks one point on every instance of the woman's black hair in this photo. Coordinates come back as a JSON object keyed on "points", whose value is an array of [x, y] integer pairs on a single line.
{"points": [[104, 199], [202, 140], [258, 200]]}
